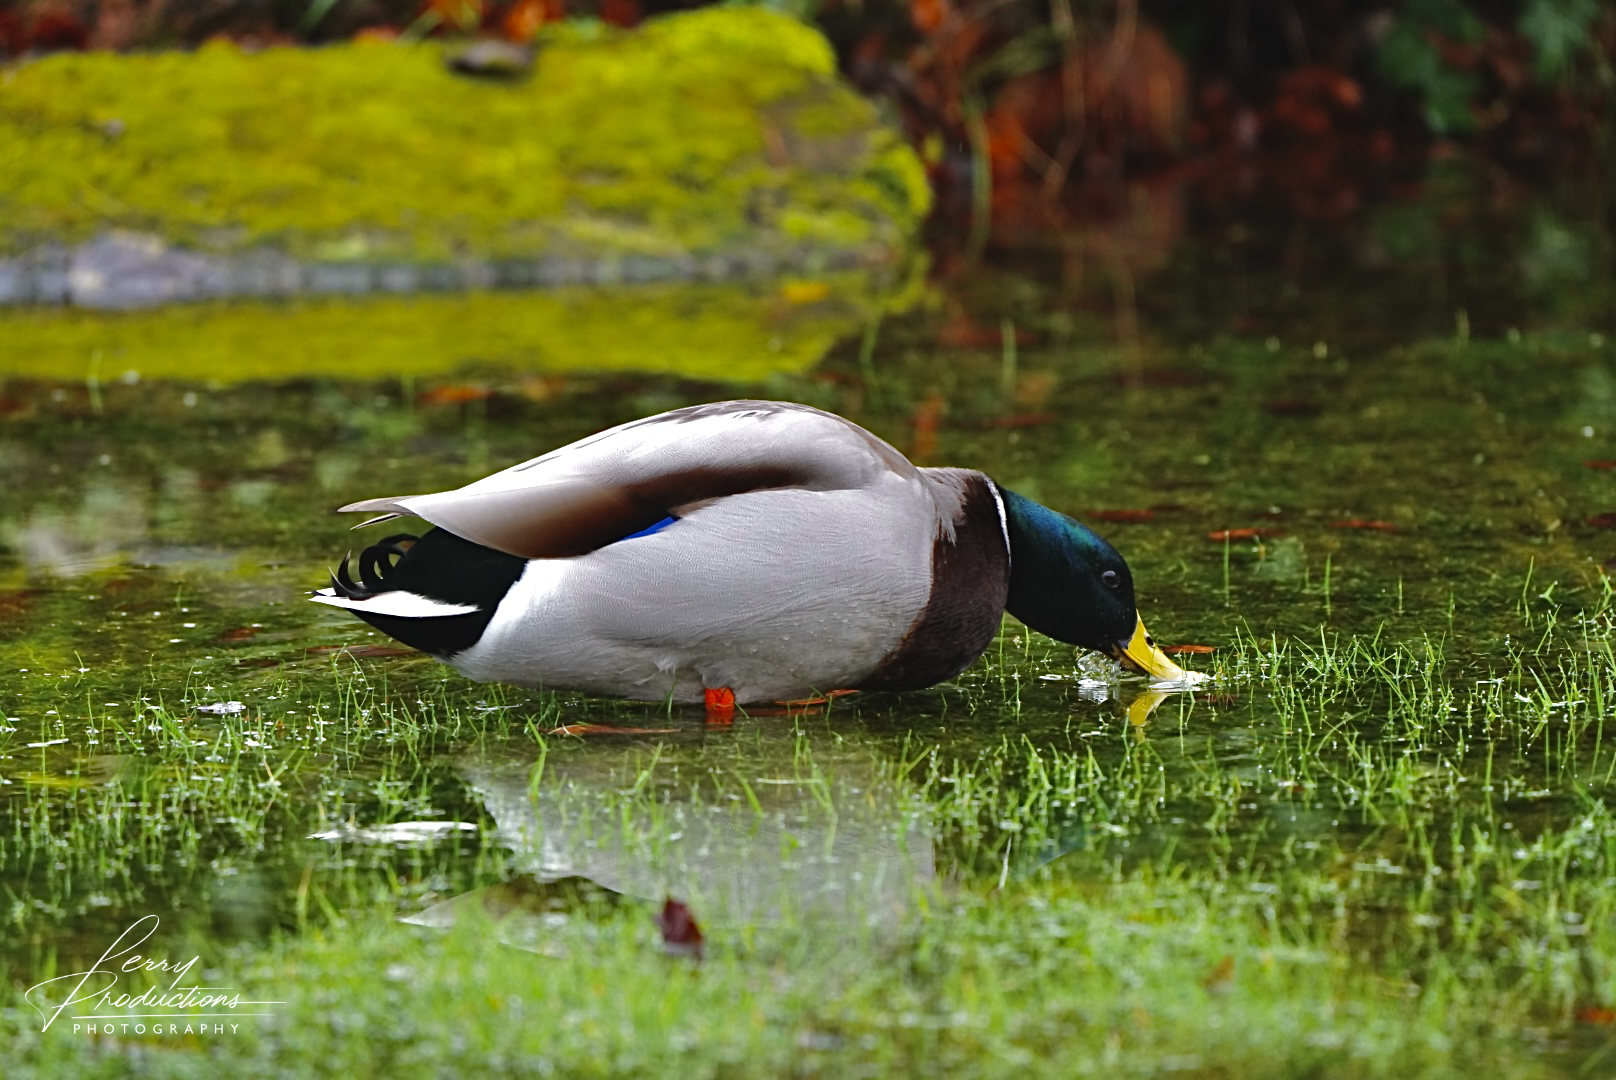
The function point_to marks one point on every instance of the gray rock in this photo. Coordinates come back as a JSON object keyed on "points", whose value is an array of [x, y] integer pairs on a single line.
{"points": [[122, 270], [35, 277]]}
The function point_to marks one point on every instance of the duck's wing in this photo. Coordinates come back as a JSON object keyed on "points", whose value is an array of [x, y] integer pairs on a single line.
{"points": [[627, 478]]}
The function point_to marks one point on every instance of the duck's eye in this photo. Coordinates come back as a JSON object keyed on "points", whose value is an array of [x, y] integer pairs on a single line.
{"points": [[1111, 579]]}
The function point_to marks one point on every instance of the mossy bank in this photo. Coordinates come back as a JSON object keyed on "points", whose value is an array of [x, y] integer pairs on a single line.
{"points": [[709, 144]]}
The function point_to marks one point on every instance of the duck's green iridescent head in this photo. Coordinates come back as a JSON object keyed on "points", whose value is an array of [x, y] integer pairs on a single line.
{"points": [[1067, 582]]}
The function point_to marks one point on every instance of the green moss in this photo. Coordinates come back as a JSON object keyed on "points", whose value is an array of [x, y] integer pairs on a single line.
{"points": [[720, 332], [894, 167], [657, 140]]}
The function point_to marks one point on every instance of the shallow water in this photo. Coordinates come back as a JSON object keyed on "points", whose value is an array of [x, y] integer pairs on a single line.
{"points": [[1414, 449]]}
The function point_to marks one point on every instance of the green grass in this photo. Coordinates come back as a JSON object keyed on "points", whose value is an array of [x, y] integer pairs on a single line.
{"points": [[1143, 977], [1407, 869], [1380, 845]]}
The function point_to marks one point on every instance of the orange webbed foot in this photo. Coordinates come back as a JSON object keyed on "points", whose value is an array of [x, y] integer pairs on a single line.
{"points": [[720, 701]]}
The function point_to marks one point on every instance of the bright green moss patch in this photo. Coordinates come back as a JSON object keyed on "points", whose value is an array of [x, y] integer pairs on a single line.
{"points": [[724, 332], [678, 137]]}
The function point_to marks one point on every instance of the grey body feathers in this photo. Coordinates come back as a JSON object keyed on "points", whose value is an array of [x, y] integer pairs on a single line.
{"points": [[807, 556]]}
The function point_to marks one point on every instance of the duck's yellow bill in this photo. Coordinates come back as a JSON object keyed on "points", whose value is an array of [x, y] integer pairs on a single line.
{"points": [[1140, 653]]}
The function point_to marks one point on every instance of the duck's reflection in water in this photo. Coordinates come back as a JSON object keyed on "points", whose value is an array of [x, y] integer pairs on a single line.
{"points": [[743, 844]]}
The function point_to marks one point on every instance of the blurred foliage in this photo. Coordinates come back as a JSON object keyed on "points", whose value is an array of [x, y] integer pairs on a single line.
{"points": [[1438, 47], [934, 56], [1411, 57], [1559, 30]]}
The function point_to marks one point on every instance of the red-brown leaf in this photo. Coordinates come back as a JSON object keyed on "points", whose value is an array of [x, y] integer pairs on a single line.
{"points": [[1221, 535], [680, 934], [1293, 407], [17, 603], [1221, 977], [453, 395], [364, 652], [606, 729], [376, 652], [928, 414], [927, 15]]}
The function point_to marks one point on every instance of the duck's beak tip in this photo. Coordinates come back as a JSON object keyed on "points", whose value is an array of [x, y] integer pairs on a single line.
{"points": [[1141, 653]]}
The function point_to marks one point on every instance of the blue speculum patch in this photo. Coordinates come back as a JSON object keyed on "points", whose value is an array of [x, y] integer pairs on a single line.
{"points": [[649, 529]]}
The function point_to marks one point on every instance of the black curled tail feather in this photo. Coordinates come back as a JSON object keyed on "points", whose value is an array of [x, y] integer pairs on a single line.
{"points": [[377, 562], [437, 565], [377, 565]]}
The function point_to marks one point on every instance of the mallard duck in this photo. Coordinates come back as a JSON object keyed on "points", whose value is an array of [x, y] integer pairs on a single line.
{"points": [[763, 550]]}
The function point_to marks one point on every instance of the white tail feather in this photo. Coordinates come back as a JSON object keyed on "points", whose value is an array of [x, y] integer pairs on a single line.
{"points": [[396, 602]]}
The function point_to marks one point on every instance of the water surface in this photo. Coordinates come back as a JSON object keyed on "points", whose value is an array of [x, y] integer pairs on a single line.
{"points": [[1399, 432]]}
